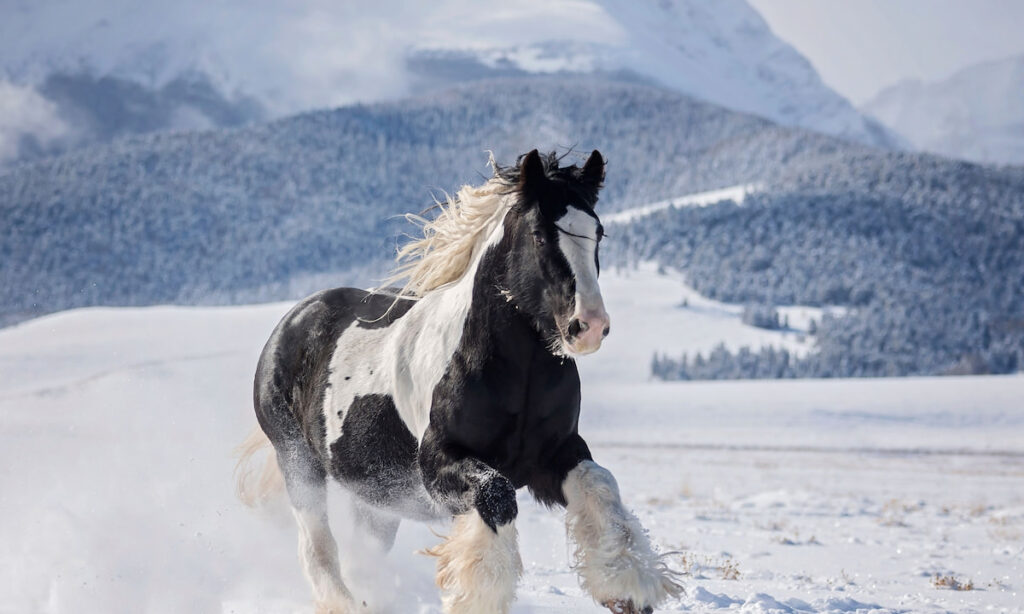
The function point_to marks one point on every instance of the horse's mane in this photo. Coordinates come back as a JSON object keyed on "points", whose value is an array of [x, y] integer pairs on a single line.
{"points": [[450, 238], [444, 252]]}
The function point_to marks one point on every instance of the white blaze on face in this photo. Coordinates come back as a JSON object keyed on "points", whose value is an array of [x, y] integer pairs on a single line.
{"points": [[577, 238]]}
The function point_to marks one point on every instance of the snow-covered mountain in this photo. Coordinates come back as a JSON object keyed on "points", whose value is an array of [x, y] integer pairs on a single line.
{"points": [[279, 209], [976, 114], [87, 70]]}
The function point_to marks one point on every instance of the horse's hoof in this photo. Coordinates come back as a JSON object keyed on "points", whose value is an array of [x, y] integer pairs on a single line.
{"points": [[618, 606]]}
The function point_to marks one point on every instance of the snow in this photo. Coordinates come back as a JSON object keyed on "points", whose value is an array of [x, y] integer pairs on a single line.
{"points": [[781, 496], [654, 312], [700, 199]]}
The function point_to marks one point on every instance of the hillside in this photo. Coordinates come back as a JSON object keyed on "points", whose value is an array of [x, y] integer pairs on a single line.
{"points": [[976, 114], [928, 255], [248, 214]]}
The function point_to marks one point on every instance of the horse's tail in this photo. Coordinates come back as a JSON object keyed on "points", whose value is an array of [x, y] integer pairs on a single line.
{"points": [[257, 486]]}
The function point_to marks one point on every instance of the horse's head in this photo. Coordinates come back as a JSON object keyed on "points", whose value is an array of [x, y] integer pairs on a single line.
{"points": [[552, 261]]}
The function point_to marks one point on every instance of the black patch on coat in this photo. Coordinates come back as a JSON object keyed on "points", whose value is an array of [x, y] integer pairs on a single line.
{"points": [[376, 454]]}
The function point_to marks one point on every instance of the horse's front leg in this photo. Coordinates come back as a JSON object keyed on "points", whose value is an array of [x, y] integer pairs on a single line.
{"points": [[613, 555], [478, 564]]}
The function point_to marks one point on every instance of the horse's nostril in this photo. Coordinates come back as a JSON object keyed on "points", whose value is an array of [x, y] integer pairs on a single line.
{"points": [[575, 327], [607, 329]]}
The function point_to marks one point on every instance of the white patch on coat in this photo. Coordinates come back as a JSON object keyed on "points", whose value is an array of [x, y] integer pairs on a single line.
{"points": [[580, 252], [357, 369], [477, 568], [613, 554], [407, 359]]}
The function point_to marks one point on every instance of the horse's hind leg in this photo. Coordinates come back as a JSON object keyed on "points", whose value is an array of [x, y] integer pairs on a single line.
{"points": [[307, 489], [380, 526]]}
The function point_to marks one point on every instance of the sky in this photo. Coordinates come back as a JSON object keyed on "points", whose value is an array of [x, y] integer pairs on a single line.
{"points": [[861, 46]]}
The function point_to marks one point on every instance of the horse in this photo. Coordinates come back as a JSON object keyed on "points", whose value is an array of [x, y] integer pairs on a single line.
{"points": [[441, 399]]}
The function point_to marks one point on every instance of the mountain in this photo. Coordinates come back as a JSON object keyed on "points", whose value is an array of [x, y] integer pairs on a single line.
{"points": [[924, 253], [976, 114], [723, 52], [80, 72]]}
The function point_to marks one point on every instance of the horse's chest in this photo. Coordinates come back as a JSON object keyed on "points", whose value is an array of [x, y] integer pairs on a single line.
{"points": [[514, 423]]}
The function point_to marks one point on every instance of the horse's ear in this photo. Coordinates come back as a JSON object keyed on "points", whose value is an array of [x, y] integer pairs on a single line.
{"points": [[531, 171], [593, 170]]}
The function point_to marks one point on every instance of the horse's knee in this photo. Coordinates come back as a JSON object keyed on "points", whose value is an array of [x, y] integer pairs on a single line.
{"points": [[588, 480], [546, 485], [495, 501], [478, 567]]}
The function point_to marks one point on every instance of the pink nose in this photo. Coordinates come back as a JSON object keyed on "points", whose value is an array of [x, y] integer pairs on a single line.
{"points": [[590, 328]]}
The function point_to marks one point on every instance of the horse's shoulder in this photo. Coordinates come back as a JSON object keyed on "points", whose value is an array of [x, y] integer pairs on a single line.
{"points": [[337, 308]]}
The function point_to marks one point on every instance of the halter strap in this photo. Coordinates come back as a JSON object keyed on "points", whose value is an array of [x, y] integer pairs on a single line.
{"points": [[572, 234]]}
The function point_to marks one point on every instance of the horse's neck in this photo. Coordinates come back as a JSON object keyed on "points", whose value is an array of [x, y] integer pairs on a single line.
{"points": [[456, 299], [474, 304], [428, 336], [493, 319]]}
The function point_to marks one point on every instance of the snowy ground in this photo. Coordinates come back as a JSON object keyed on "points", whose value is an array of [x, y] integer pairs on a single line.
{"points": [[116, 428]]}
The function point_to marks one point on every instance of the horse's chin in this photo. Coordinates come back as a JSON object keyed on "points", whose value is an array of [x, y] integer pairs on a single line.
{"points": [[574, 350]]}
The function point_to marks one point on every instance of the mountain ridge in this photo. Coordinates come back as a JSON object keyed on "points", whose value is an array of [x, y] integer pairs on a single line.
{"points": [[723, 52], [976, 114], [352, 169]]}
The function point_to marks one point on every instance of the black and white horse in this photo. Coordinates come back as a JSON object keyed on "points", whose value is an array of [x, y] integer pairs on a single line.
{"points": [[444, 398]]}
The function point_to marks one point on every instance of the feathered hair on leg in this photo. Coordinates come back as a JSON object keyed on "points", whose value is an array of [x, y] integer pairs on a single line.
{"points": [[478, 568], [613, 554]]}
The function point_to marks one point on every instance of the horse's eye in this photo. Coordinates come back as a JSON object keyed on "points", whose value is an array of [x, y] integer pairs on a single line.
{"points": [[538, 238]]}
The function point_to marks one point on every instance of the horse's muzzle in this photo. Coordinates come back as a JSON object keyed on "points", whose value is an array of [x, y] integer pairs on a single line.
{"points": [[587, 330]]}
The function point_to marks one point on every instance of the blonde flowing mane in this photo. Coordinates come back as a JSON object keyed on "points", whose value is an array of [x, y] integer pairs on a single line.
{"points": [[450, 239]]}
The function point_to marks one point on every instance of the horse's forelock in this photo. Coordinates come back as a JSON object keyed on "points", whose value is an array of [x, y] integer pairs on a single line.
{"points": [[571, 178]]}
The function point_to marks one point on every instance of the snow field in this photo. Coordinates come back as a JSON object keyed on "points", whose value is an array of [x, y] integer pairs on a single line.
{"points": [[795, 496]]}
